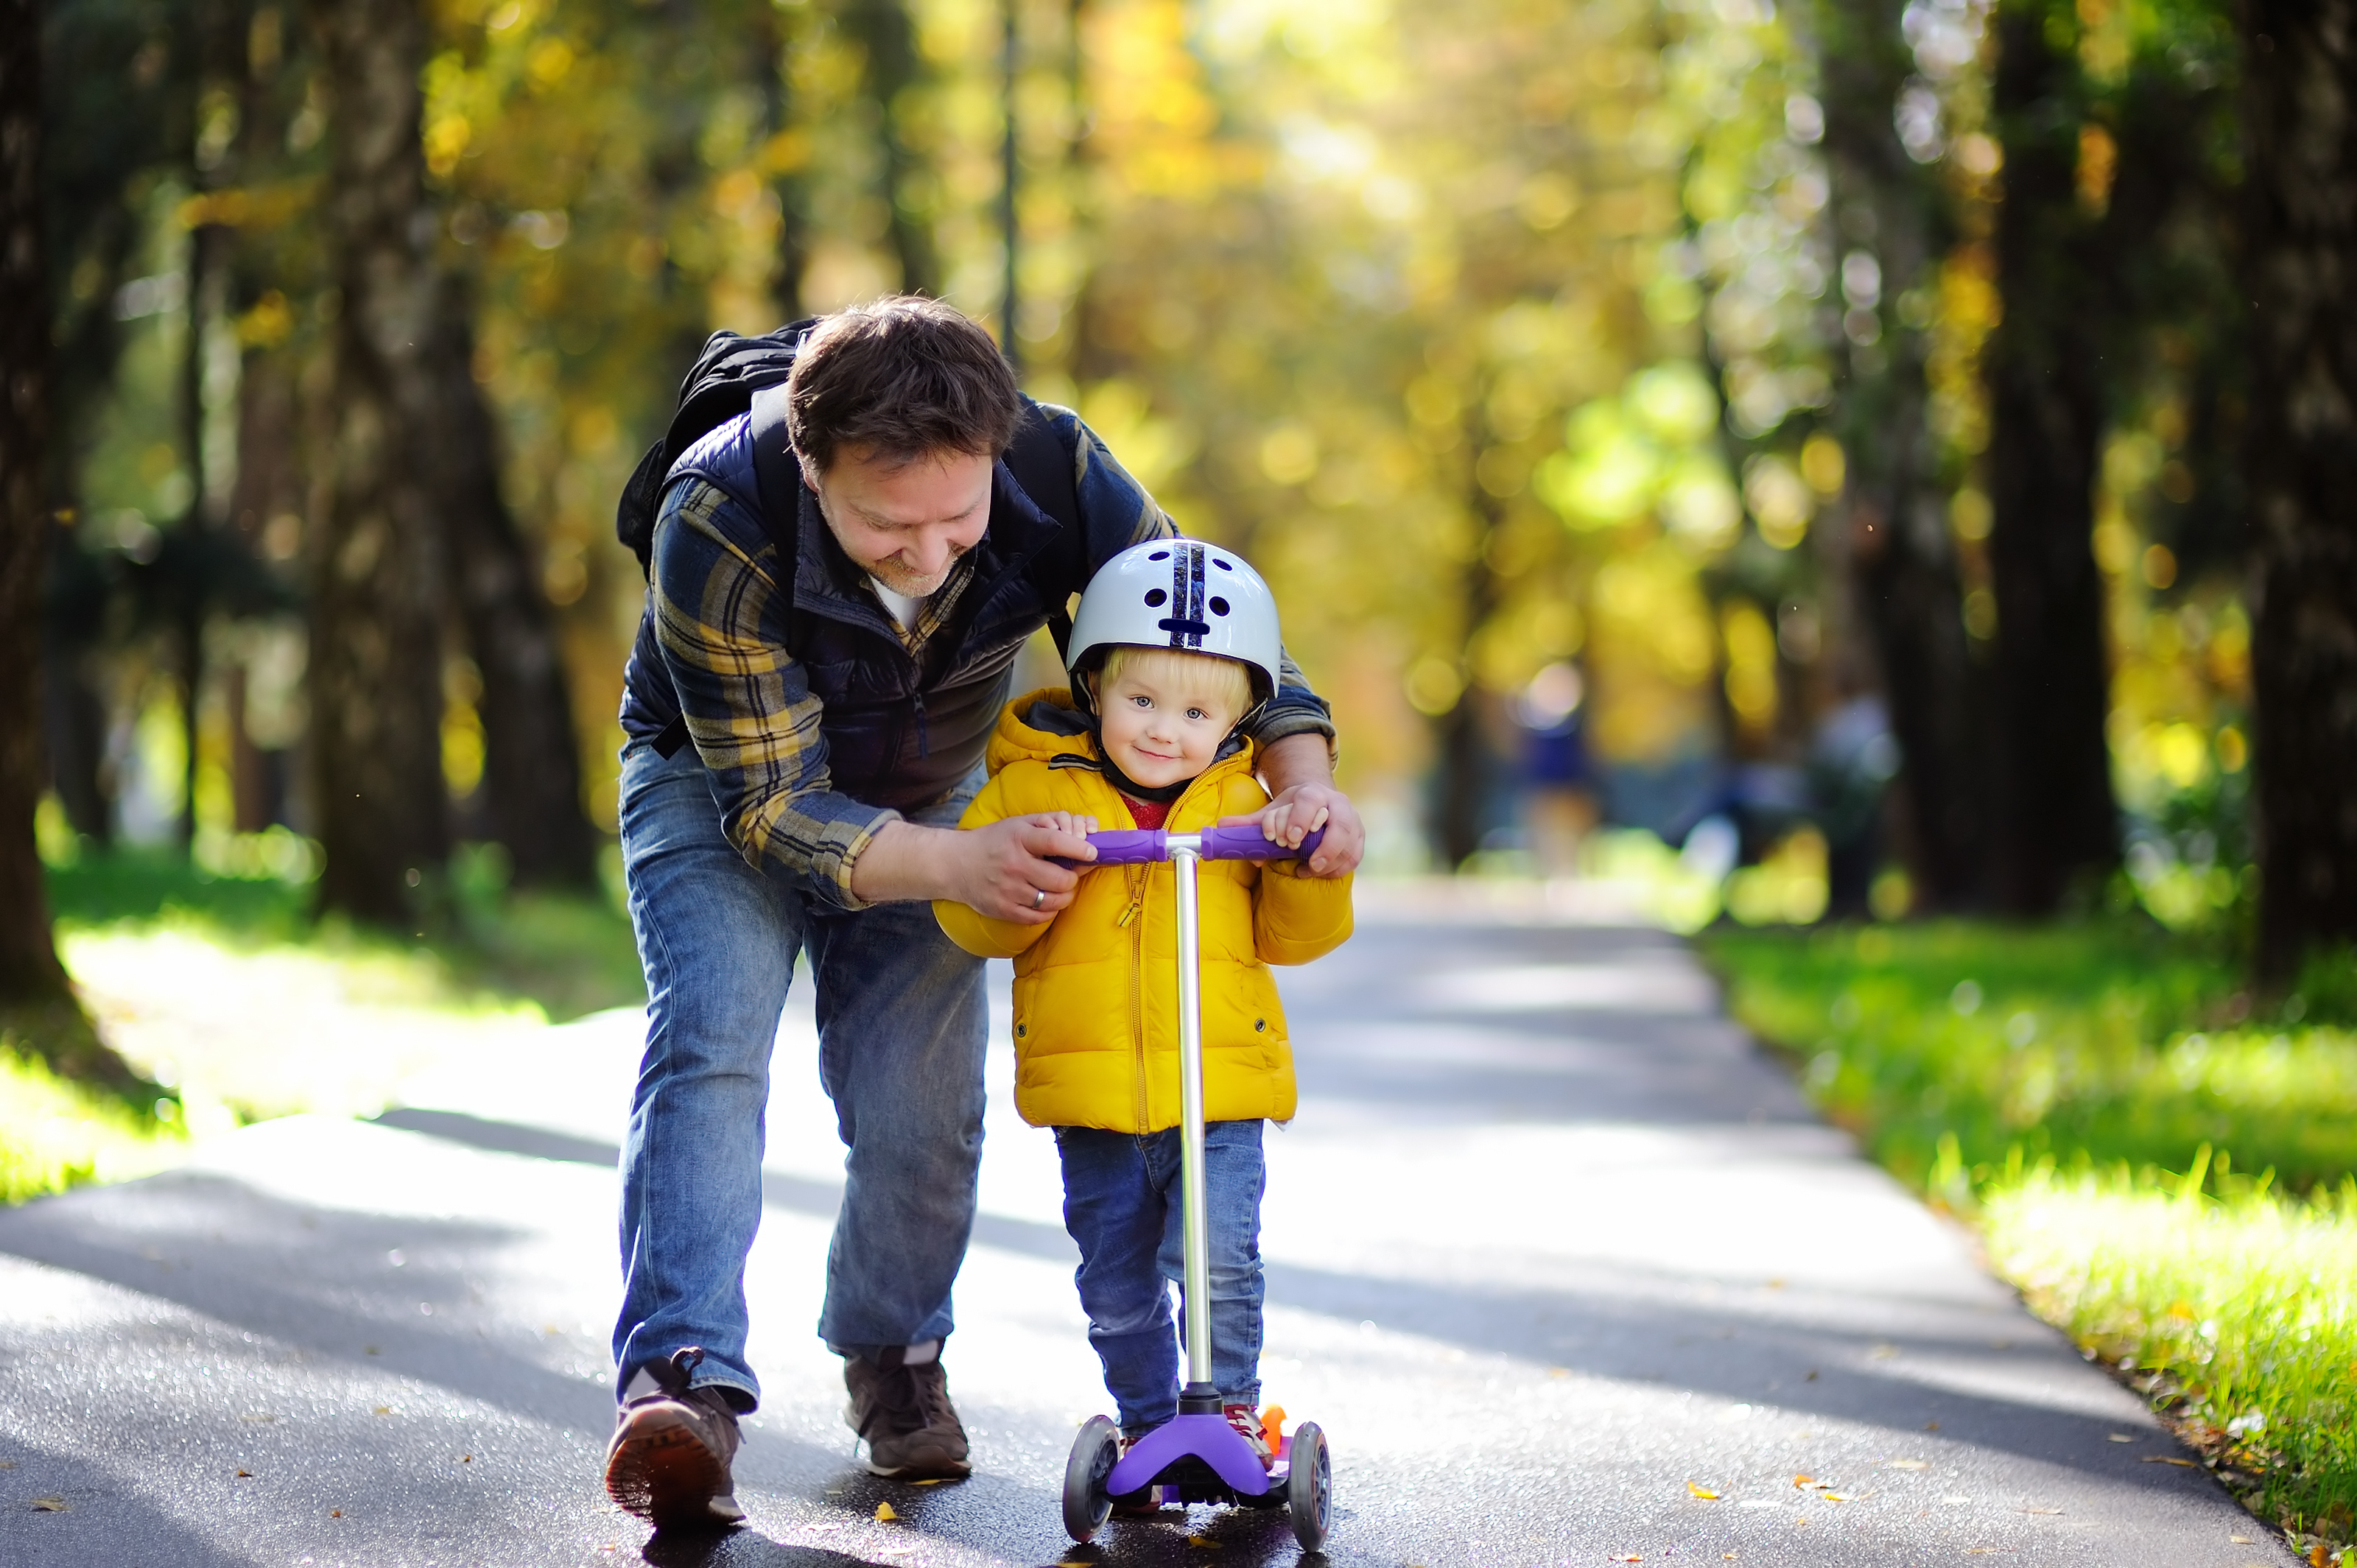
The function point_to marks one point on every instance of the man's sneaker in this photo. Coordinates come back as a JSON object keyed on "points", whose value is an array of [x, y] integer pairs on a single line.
{"points": [[905, 1414], [1248, 1425], [672, 1445]]}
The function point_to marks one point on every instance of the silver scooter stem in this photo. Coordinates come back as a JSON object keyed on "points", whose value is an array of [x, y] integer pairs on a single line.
{"points": [[1183, 857]]}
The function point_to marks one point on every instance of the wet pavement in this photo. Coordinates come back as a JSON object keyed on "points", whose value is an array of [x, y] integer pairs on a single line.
{"points": [[1559, 1260]]}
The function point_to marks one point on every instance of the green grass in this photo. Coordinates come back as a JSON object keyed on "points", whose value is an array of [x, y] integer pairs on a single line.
{"points": [[2235, 1313], [222, 989], [567, 953], [2165, 1172], [56, 1133]]}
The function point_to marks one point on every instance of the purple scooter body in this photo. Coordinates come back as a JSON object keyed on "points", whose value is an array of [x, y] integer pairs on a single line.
{"points": [[1206, 1438]]}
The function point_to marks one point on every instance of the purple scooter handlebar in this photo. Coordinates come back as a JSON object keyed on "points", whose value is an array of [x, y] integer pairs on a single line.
{"points": [[1143, 846]]}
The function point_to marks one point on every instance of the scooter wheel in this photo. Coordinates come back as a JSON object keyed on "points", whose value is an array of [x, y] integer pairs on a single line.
{"points": [[1309, 1486], [1094, 1453]]}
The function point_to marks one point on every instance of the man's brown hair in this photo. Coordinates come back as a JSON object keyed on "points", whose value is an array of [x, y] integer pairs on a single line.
{"points": [[903, 378]]}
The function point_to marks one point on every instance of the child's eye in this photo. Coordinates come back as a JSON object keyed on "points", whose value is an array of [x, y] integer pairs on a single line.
{"points": [[1197, 714], [1142, 702]]}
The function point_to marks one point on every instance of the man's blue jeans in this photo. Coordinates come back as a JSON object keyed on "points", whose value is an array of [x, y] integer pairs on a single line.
{"points": [[902, 1027], [1122, 1205]]}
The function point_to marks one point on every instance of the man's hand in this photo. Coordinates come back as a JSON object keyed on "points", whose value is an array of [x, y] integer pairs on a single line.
{"points": [[1001, 870], [1300, 778]]}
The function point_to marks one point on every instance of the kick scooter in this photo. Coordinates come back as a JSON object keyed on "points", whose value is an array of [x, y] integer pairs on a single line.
{"points": [[1198, 1457]]}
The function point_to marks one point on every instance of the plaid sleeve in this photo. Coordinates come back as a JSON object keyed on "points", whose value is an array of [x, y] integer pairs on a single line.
{"points": [[1116, 512], [720, 623]]}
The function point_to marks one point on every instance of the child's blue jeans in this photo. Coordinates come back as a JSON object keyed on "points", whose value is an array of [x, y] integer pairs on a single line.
{"points": [[1122, 1205]]}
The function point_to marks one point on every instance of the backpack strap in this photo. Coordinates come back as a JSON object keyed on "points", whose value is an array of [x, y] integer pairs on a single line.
{"points": [[778, 474], [1044, 471]]}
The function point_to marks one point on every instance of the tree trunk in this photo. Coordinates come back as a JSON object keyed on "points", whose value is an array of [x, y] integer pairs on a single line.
{"points": [[2055, 821], [29, 970], [1892, 553], [38, 1007], [2301, 469], [884, 34], [532, 762], [376, 569], [1466, 766], [774, 39]]}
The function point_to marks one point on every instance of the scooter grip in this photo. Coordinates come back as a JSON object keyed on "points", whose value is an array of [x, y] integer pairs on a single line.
{"points": [[1246, 842], [1119, 847]]}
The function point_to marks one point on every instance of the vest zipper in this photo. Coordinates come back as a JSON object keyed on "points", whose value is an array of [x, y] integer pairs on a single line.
{"points": [[924, 746]]}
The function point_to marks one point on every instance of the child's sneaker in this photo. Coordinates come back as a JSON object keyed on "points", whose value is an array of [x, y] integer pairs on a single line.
{"points": [[1247, 1423]]}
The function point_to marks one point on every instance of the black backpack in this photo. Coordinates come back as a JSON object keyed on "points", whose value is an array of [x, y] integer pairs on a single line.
{"points": [[735, 373]]}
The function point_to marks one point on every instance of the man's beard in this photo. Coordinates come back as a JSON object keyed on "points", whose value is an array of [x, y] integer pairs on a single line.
{"points": [[907, 584]]}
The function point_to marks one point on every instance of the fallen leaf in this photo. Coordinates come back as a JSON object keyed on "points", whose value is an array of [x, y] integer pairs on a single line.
{"points": [[1909, 1464], [372, 1349], [52, 1505], [928, 1481], [1934, 1426], [245, 1474], [1811, 1377], [2117, 1437], [7, 1464], [1698, 1490], [384, 1410], [884, 1512], [1835, 1496], [1883, 1353], [465, 1458], [2317, 1556], [2169, 1459], [2240, 1540], [1205, 1541], [1805, 1481], [1627, 1557], [2042, 1510]]}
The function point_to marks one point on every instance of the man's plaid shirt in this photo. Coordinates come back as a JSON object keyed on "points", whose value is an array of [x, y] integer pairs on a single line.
{"points": [[717, 659]]}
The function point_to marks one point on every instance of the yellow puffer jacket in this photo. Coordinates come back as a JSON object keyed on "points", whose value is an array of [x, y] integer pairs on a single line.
{"points": [[1096, 990]]}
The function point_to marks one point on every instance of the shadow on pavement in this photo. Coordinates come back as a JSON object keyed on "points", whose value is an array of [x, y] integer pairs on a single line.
{"points": [[1734, 1354], [100, 1523]]}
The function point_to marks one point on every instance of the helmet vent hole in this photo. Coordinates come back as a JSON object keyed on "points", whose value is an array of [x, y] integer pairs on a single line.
{"points": [[1160, 555], [1156, 598], [1219, 606], [1223, 566]]}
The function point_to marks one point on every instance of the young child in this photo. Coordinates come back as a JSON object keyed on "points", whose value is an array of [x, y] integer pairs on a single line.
{"points": [[1165, 666]]}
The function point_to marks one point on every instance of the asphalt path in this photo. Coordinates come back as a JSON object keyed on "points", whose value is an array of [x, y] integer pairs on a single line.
{"points": [[1554, 1253]]}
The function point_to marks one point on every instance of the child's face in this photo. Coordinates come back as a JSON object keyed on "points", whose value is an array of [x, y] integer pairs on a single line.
{"points": [[1157, 733]]}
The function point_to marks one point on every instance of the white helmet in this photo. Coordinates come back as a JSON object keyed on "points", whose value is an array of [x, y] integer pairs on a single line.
{"points": [[1183, 594]]}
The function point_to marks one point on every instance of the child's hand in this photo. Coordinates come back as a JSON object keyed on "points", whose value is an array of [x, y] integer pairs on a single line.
{"points": [[1290, 821], [1069, 823]]}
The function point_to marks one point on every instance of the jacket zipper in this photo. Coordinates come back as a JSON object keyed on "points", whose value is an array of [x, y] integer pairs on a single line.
{"points": [[924, 746]]}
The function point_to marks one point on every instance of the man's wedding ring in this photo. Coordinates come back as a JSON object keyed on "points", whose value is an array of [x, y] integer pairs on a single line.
{"points": [[1038, 897]]}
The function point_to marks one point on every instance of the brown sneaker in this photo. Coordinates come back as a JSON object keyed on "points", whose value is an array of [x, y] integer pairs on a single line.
{"points": [[905, 1414], [672, 1445]]}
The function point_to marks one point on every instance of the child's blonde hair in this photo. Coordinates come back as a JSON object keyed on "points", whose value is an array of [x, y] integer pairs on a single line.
{"points": [[1204, 679]]}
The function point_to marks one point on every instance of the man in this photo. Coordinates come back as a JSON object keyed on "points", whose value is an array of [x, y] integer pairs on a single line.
{"points": [[803, 734]]}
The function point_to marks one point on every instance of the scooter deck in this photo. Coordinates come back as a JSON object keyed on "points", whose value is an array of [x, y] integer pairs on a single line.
{"points": [[1202, 1458]]}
